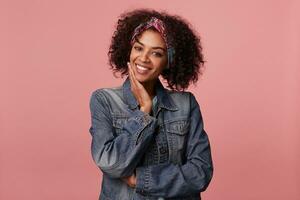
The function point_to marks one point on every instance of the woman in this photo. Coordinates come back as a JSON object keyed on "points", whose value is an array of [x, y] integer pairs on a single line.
{"points": [[148, 141]]}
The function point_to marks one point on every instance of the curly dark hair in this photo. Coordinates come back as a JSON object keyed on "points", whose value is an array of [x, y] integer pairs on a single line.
{"points": [[188, 59]]}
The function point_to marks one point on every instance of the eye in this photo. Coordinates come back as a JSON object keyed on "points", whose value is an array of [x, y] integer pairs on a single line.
{"points": [[157, 54], [137, 48]]}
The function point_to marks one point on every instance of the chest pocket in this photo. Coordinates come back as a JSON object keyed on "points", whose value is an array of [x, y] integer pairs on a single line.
{"points": [[177, 132], [118, 123]]}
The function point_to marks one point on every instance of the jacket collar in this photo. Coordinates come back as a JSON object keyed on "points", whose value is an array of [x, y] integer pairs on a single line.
{"points": [[164, 100]]}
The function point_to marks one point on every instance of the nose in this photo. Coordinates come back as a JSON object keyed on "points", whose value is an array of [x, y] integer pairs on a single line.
{"points": [[144, 57]]}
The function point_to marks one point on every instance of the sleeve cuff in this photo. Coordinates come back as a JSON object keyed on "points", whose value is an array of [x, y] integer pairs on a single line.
{"points": [[140, 124], [143, 117]]}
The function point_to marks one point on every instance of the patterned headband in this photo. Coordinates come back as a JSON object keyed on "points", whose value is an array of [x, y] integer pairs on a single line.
{"points": [[160, 27]]}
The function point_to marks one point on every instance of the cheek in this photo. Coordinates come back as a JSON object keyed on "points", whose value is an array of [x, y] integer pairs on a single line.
{"points": [[132, 55], [159, 67]]}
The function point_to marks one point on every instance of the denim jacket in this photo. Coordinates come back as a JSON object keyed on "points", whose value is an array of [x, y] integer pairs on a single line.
{"points": [[127, 141]]}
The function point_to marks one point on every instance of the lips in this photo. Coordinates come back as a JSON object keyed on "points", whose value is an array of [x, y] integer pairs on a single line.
{"points": [[142, 69]]}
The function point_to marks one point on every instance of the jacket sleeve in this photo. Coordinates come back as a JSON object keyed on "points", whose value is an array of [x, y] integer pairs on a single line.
{"points": [[117, 156], [170, 180]]}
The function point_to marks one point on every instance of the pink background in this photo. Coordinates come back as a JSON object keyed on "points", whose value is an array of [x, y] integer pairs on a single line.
{"points": [[53, 54]]}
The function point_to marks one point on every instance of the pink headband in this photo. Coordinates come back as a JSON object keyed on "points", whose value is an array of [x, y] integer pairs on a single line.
{"points": [[153, 22], [160, 27]]}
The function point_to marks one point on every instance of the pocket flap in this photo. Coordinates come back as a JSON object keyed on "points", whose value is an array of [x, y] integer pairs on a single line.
{"points": [[180, 127], [118, 122]]}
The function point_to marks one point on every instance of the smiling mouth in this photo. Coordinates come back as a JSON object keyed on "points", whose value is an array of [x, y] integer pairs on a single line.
{"points": [[141, 69]]}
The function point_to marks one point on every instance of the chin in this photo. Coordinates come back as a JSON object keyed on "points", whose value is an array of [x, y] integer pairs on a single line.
{"points": [[147, 81], [142, 80]]}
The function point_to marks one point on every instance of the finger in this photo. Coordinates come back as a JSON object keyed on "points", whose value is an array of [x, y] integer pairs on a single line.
{"points": [[130, 181], [135, 81], [130, 74], [130, 71], [137, 88], [136, 84]]}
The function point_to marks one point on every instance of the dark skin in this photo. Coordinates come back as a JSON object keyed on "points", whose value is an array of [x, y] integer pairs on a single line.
{"points": [[145, 101], [149, 52], [144, 96]]}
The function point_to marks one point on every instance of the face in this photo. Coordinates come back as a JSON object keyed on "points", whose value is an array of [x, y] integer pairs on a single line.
{"points": [[148, 56]]}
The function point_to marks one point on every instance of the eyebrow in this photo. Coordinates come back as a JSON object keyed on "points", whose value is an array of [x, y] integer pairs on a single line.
{"points": [[151, 47]]}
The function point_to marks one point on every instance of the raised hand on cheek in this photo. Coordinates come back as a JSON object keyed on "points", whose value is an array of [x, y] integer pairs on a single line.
{"points": [[139, 92]]}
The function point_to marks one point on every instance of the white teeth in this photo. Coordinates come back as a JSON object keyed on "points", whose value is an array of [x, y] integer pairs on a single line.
{"points": [[141, 67]]}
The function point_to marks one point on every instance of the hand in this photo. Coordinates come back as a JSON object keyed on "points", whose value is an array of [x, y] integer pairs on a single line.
{"points": [[130, 181], [140, 92]]}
